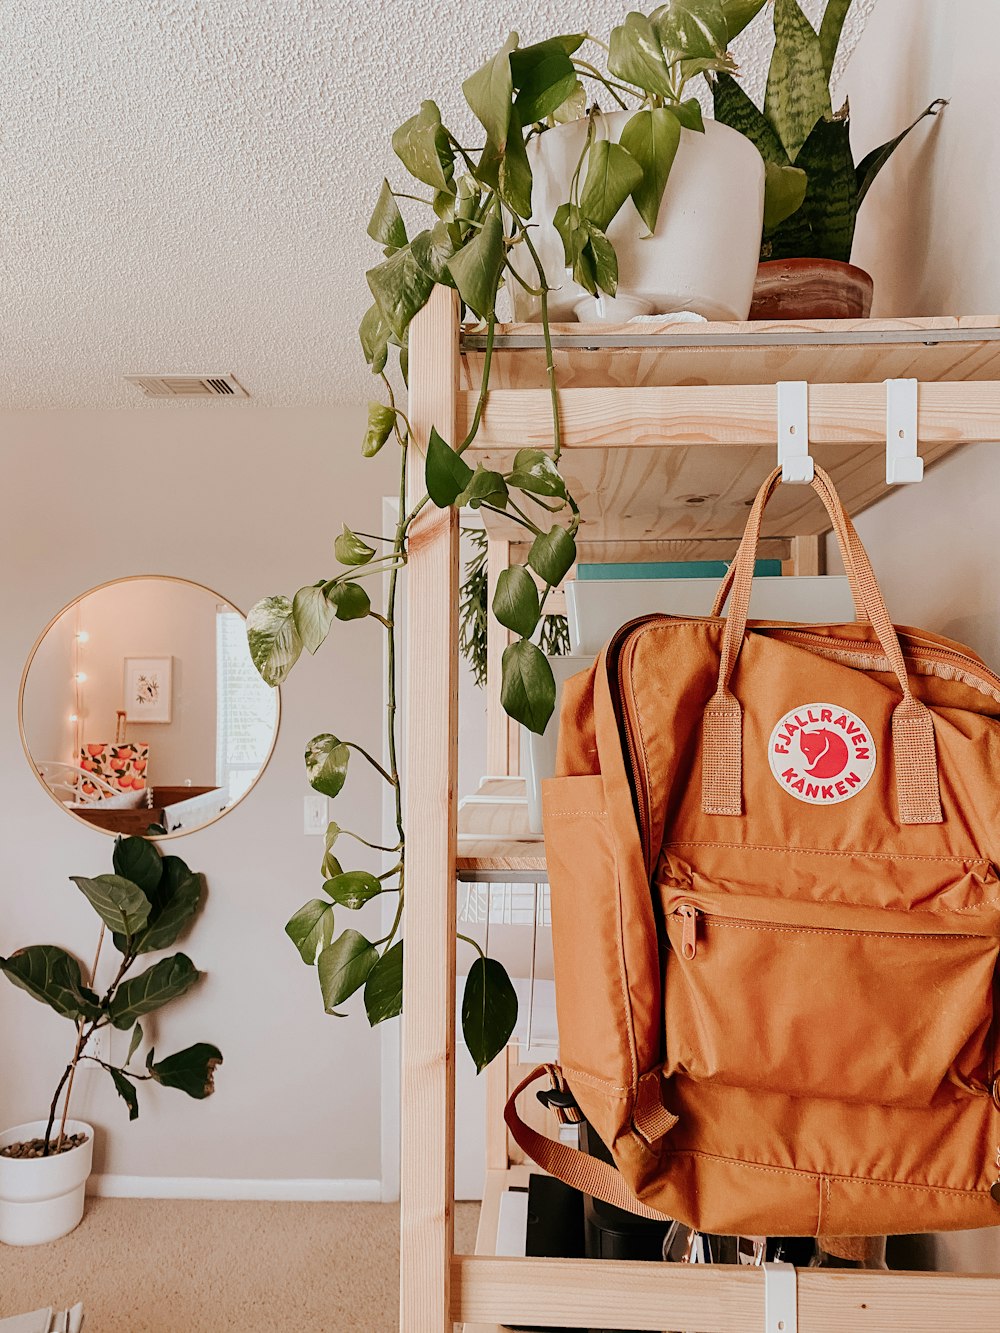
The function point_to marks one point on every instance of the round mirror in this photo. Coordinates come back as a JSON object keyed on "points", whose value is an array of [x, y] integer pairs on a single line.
{"points": [[141, 711]]}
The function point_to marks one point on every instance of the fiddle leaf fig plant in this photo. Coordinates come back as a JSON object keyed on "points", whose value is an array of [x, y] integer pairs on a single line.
{"points": [[813, 189], [145, 904], [461, 218]]}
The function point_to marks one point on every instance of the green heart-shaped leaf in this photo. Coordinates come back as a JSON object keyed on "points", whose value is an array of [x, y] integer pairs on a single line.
{"points": [[446, 474], [528, 689], [421, 144], [344, 966], [489, 92], [515, 602], [349, 601], [652, 138], [384, 987], [326, 764], [274, 641], [386, 224], [552, 554], [313, 617], [351, 550], [353, 888], [534, 471], [489, 1010], [381, 420], [612, 175], [476, 268], [311, 929], [401, 288]]}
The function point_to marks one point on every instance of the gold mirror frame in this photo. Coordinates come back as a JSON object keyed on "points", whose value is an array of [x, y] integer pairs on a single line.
{"points": [[112, 833]]}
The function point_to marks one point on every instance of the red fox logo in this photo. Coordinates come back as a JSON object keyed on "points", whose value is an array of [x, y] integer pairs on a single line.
{"points": [[826, 752], [821, 753]]}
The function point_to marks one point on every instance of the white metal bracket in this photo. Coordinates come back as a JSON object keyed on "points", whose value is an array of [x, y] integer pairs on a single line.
{"points": [[902, 462], [780, 1298], [793, 432]]}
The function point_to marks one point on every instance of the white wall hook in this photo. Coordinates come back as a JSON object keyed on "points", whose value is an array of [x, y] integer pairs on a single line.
{"points": [[793, 432], [902, 462], [780, 1298]]}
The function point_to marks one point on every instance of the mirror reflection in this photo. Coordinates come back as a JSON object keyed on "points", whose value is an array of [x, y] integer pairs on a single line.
{"points": [[141, 711]]}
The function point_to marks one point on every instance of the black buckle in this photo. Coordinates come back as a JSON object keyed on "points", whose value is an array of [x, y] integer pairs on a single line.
{"points": [[557, 1099]]}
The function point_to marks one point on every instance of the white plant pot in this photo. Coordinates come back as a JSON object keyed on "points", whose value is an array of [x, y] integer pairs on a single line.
{"points": [[41, 1198], [703, 254]]}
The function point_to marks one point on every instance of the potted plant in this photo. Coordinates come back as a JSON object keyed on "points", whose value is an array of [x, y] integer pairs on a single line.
{"points": [[146, 904], [644, 208], [476, 220], [815, 188]]}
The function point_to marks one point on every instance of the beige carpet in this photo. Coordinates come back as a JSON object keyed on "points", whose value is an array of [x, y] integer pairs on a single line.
{"points": [[180, 1266]]}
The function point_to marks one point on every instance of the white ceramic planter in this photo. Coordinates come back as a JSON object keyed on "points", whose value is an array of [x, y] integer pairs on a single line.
{"points": [[703, 254], [41, 1199]]}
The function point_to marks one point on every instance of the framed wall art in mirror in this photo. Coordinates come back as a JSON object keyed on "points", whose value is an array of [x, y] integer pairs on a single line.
{"points": [[140, 710]]}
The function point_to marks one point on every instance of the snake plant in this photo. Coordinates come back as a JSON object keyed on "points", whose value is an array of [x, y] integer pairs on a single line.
{"points": [[814, 189]]}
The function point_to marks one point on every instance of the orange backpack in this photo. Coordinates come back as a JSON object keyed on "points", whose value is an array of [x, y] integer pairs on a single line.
{"points": [[776, 919]]}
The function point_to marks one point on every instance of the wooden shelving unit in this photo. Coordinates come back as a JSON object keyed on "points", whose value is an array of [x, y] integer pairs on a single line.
{"points": [[667, 432]]}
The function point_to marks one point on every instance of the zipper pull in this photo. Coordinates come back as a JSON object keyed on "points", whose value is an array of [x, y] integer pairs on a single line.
{"points": [[689, 935]]}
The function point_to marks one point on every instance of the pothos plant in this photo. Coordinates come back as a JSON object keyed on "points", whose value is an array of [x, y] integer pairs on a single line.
{"points": [[145, 904], [475, 200], [814, 188]]}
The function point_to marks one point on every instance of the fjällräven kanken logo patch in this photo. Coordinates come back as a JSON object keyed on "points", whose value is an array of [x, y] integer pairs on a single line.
{"points": [[821, 754]]}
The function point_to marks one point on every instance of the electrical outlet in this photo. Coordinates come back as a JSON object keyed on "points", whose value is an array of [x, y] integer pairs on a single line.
{"points": [[99, 1045], [316, 814]]}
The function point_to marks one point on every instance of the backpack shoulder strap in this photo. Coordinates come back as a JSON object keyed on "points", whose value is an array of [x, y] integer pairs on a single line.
{"points": [[570, 1165]]}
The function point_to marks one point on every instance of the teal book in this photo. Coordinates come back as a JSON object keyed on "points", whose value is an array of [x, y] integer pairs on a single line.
{"points": [[669, 569]]}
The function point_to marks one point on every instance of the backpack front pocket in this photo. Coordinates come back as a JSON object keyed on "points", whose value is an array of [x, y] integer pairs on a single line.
{"points": [[856, 1015]]}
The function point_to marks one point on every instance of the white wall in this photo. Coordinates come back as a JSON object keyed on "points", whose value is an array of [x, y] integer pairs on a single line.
{"points": [[246, 501], [927, 233]]}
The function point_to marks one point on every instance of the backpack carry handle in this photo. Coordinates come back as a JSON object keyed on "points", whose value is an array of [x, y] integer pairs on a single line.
{"points": [[914, 753]]}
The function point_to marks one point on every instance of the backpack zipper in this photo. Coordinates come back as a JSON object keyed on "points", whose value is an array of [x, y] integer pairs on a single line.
{"points": [[690, 916]]}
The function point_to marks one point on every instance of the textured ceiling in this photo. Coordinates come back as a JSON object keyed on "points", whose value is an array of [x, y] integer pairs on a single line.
{"points": [[185, 184]]}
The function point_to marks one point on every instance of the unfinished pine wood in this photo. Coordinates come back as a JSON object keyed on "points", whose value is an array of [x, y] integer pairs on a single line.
{"points": [[498, 857], [427, 1191], [821, 351], [685, 462], [491, 817], [723, 1298], [498, 748], [489, 1214], [808, 555]]}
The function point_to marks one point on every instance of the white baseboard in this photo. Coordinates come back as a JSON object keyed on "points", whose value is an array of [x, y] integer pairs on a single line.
{"points": [[205, 1187]]}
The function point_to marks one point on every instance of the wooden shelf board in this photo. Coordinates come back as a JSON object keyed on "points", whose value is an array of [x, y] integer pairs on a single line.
{"points": [[682, 459], [489, 1215], [823, 351], [569, 1293]]}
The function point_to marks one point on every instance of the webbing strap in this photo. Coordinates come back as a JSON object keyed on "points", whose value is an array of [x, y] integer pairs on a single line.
{"points": [[575, 1168], [915, 758]]}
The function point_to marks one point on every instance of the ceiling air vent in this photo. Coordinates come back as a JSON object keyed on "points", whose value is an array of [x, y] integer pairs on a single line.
{"points": [[188, 386]]}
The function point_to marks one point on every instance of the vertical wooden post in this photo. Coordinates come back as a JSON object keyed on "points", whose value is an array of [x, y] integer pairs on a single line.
{"points": [[427, 1175], [809, 555], [497, 638]]}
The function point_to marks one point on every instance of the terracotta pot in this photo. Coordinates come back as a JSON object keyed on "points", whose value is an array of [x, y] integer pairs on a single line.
{"points": [[811, 289]]}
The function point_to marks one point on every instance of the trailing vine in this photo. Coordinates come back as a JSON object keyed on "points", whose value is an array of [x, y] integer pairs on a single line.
{"points": [[480, 239]]}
